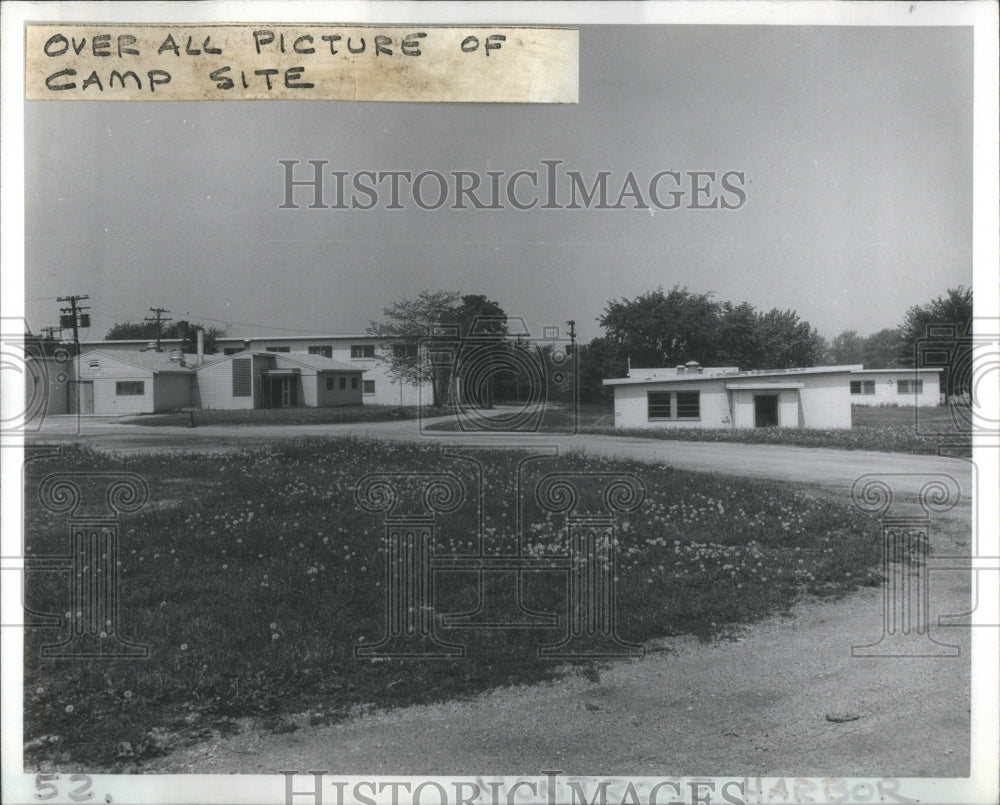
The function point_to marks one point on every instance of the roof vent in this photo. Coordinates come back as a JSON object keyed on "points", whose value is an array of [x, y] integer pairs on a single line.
{"points": [[176, 356], [693, 367], [680, 368]]}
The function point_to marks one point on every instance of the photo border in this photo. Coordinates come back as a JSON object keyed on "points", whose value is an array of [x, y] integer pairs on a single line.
{"points": [[981, 786]]}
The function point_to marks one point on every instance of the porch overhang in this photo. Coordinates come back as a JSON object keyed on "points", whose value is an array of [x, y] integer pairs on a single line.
{"points": [[763, 386]]}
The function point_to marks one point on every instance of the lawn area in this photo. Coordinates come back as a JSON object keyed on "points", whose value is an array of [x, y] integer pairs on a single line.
{"points": [[252, 577], [884, 429], [279, 416]]}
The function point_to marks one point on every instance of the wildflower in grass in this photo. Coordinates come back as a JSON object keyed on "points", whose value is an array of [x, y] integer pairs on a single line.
{"points": [[69, 709], [127, 694], [184, 646]]}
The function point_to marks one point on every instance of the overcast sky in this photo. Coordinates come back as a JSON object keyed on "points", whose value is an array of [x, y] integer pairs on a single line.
{"points": [[856, 144]]}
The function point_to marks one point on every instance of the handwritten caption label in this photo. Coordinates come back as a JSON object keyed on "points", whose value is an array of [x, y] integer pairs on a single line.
{"points": [[301, 62]]}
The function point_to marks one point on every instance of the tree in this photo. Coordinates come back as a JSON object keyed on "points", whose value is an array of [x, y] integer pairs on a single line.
{"points": [[413, 329], [951, 313], [788, 341], [738, 337], [658, 329], [881, 349], [848, 347], [182, 329], [598, 360]]}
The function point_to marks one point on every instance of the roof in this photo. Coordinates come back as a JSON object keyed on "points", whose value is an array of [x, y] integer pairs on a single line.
{"points": [[664, 375], [114, 343], [896, 371], [238, 339], [156, 362], [319, 363]]}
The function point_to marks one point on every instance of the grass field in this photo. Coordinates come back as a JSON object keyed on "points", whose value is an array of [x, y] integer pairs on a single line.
{"points": [[253, 575], [884, 429], [279, 416]]}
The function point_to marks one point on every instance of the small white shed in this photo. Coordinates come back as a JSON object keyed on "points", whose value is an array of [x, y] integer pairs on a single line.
{"points": [[692, 396]]}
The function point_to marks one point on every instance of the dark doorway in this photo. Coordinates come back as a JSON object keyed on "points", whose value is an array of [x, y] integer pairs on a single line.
{"points": [[281, 392], [765, 410]]}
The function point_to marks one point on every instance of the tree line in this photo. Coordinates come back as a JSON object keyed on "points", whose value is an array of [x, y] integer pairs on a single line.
{"points": [[658, 328]]}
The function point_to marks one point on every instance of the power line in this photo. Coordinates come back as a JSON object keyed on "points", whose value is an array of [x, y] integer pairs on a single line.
{"points": [[159, 311], [73, 316]]}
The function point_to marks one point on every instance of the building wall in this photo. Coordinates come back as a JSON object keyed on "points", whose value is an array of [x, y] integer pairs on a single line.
{"points": [[631, 410], [744, 408], [172, 391], [825, 401], [887, 389], [215, 383], [387, 391], [49, 380], [105, 377], [335, 396]]}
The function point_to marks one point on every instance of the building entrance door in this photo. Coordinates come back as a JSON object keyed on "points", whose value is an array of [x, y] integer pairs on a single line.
{"points": [[283, 392], [81, 396], [765, 410]]}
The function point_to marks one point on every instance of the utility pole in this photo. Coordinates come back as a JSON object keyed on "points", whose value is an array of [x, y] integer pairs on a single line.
{"points": [[73, 316], [159, 311]]}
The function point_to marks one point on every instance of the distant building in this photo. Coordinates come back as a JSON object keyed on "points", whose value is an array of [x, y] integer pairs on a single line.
{"points": [[360, 351], [692, 396], [130, 383], [137, 382]]}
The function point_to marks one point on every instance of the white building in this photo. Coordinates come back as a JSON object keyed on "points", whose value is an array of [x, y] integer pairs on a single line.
{"points": [[692, 396], [360, 351], [357, 350]]}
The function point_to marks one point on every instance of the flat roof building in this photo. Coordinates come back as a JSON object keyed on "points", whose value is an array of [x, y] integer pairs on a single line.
{"points": [[693, 396]]}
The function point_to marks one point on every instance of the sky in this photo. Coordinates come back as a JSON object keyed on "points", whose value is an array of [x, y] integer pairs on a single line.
{"points": [[855, 143]]}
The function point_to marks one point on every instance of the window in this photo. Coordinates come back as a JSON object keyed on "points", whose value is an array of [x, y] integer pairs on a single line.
{"points": [[354, 382], [326, 352], [688, 404], [231, 350], [130, 388], [278, 349], [404, 351], [862, 387], [673, 405], [329, 384], [343, 383], [658, 404], [368, 387], [910, 386], [362, 350], [242, 385]]}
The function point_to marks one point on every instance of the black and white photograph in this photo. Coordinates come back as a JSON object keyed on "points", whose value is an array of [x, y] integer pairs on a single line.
{"points": [[484, 403]]}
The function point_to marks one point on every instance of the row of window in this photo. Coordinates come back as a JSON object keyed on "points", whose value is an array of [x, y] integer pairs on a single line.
{"points": [[357, 350], [673, 404], [368, 386], [902, 386]]}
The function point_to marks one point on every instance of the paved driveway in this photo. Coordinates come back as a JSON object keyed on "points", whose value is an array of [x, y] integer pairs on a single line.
{"points": [[833, 468]]}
